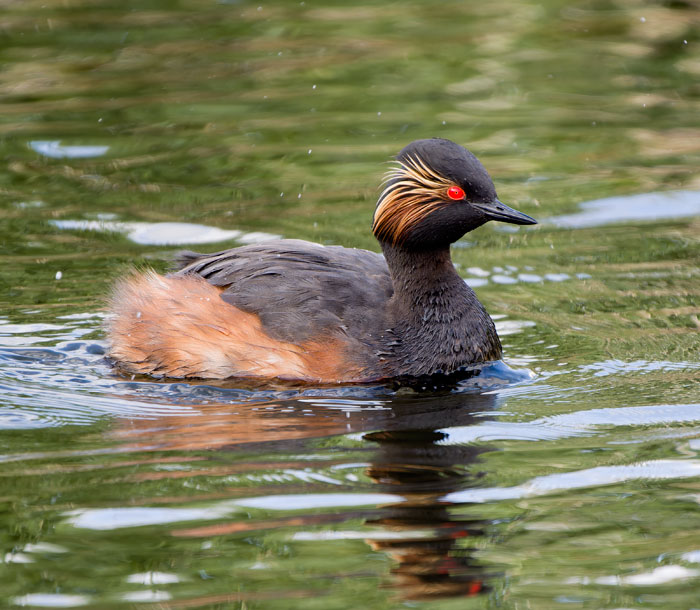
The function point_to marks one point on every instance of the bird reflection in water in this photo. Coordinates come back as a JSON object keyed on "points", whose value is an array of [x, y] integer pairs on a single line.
{"points": [[412, 461], [432, 547]]}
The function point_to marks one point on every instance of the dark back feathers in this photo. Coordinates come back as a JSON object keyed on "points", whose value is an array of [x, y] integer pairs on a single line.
{"points": [[299, 289]]}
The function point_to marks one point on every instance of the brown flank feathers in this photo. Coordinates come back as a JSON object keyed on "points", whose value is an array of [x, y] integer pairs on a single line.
{"points": [[178, 326]]}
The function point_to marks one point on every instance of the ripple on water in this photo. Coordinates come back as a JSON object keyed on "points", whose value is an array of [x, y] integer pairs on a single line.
{"points": [[54, 150], [617, 367], [578, 423], [165, 233], [52, 600], [153, 578], [645, 206], [509, 276], [658, 576], [42, 385], [578, 479], [128, 516]]}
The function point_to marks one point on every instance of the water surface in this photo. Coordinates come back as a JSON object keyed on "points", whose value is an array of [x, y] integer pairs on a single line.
{"points": [[568, 478]]}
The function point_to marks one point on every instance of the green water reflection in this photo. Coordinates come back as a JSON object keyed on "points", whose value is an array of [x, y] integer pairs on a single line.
{"points": [[280, 117]]}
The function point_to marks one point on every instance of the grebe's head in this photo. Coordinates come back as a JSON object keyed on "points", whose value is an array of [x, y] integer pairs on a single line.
{"points": [[437, 192]]}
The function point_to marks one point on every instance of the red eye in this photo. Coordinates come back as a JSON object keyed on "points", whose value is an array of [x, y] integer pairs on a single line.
{"points": [[456, 193]]}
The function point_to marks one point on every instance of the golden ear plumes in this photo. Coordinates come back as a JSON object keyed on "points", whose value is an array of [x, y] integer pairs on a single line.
{"points": [[413, 193]]}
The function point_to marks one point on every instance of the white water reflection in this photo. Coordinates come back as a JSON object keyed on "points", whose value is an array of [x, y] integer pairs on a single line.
{"points": [[659, 576], [165, 233], [16, 558], [121, 517], [645, 206], [691, 556], [591, 477], [475, 282], [153, 578], [51, 600], [146, 596], [617, 367], [54, 150], [117, 518], [43, 547], [312, 501], [362, 535], [512, 327], [578, 423], [509, 276]]}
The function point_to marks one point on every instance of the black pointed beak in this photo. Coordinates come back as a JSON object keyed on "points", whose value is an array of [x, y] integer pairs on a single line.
{"points": [[495, 210]]}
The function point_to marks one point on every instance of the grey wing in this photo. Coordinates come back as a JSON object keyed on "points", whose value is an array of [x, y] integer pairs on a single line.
{"points": [[300, 289]]}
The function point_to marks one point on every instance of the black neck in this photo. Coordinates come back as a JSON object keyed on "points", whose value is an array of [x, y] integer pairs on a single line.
{"points": [[440, 323], [425, 281]]}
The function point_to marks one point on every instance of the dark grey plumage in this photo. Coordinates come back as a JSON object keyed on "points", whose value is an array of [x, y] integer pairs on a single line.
{"points": [[299, 289]]}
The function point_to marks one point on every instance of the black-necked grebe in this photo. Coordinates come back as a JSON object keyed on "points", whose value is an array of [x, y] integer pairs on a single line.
{"points": [[292, 309]]}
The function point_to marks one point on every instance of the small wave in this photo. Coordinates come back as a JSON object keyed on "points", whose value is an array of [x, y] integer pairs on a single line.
{"points": [[591, 477], [578, 423], [118, 518]]}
